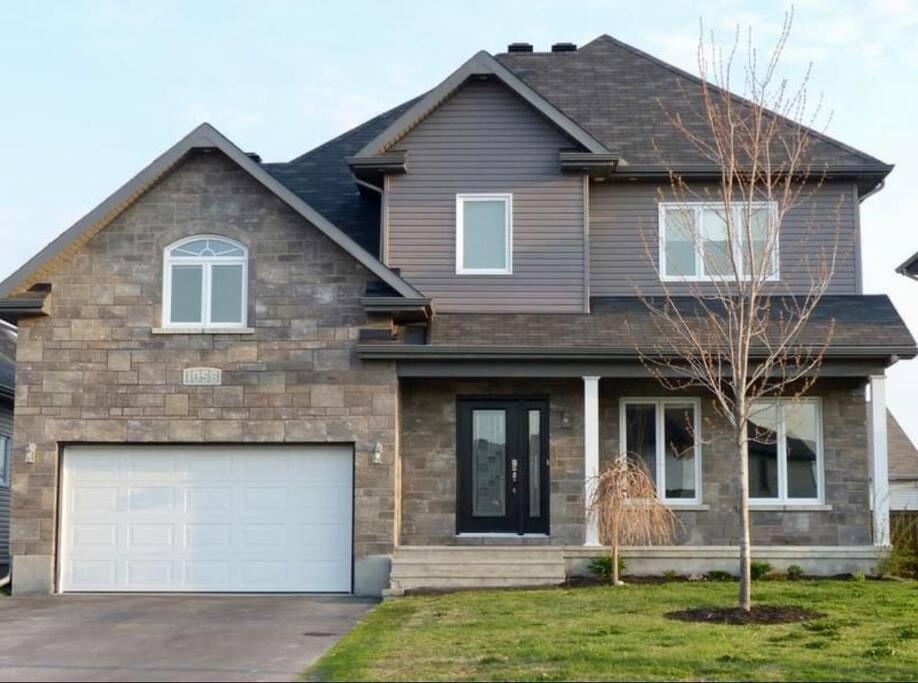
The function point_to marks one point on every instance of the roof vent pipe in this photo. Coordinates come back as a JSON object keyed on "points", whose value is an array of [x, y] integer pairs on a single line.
{"points": [[564, 47], [519, 47]]}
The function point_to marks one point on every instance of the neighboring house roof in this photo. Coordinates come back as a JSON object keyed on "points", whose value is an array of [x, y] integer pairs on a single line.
{"points": [[204, 136], [864, 326], [902, 455], [910, 267]]}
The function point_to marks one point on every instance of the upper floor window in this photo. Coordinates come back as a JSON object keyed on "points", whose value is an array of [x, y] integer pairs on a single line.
{"points": [[4, 461], [663, 434], [695, 244], [484, 234], [204, 283], [785, 452]]}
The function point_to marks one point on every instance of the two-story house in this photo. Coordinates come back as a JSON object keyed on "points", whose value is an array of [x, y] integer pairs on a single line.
{"points": [[399, 359]]}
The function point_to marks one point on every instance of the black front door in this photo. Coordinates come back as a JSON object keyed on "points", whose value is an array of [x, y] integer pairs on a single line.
{"points": [[503, 466]]}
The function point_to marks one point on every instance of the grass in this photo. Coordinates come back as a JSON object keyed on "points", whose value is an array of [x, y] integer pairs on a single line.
{"points": [[604, 633]]}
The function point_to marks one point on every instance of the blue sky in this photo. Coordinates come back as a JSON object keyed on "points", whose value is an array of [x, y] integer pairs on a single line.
{"points": [[93, 91]]}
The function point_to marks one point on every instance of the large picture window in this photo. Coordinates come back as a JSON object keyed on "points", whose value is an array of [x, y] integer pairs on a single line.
{"points": [[204, 283], [694, 244], [664, 434], [785, 452], [484, 234]]}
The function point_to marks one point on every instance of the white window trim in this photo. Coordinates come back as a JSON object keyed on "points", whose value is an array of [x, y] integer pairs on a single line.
{"points": [[782, 498], [663, 207], [660, 404], [507, 199], [206, 262], [5, 459]]}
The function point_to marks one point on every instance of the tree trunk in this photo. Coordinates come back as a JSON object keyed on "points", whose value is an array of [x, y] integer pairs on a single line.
{"points": [[615, 580], [745, 568]]}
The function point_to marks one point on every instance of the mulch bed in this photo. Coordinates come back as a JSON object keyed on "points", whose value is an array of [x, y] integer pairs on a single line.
{"points": [[761, 614]]}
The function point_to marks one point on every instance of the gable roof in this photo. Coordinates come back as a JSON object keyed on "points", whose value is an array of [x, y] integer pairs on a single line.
{"points": [[204, 136], [910, 267], [621, 95], [902, 455], [481, 64]]}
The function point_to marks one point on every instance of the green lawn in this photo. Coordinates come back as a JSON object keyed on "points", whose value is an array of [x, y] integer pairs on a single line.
{"points": [[604, 633]]}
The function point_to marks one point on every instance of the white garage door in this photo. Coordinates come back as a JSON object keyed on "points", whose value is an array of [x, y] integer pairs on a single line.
{"points": [[192, 518]]}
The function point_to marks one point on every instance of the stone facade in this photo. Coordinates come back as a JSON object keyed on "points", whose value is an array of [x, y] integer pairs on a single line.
{"points": [[95, 371], [428, 436]]}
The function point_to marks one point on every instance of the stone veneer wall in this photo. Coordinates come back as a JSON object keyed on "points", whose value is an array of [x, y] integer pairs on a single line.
{"points": [[428, 461], [94, 371]]}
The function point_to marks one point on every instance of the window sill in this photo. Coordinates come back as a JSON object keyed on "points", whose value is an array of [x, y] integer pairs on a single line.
{"points": [[815, 507], [688, 507], [203, 330]]}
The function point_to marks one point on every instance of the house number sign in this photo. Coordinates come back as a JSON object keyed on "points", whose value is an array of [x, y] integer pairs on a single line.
{"points": [[202, 377]]}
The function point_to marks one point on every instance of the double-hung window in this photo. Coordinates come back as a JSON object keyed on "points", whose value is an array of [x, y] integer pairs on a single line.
{"points": [[785, 452], [5, 450], [484, 234], [204, 283], [695, 244], [664, 435]]}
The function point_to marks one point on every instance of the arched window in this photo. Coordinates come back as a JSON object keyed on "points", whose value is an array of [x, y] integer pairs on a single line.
{"points": [[204, 283]]}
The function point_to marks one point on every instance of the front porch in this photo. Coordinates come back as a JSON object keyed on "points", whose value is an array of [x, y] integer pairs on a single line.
{"points": [[833, 533]]}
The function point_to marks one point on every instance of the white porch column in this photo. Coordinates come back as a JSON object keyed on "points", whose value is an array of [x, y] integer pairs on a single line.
{"points": [[590, 453], [880, 467]]}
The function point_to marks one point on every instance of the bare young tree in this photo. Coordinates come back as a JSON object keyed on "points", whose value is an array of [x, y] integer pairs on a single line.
{"points": [[725, 322], [626, 509]]}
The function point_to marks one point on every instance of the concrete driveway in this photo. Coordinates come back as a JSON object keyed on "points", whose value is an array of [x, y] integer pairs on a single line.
{"points": [[169, 637]]}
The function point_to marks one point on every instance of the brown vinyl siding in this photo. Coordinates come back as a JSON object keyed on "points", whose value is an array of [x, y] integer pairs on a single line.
{"points": [[485, 139], [624, 218]]}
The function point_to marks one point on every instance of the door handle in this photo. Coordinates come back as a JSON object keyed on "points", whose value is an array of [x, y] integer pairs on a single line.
{"points": [[514, 470]]}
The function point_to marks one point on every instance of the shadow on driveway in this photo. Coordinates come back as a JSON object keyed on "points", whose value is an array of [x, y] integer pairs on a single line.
{"points": [[170, 637]]}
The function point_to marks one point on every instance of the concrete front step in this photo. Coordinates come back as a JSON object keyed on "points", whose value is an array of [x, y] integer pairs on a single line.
{"points": [[521, 568], [428, 568], [477, 553]]}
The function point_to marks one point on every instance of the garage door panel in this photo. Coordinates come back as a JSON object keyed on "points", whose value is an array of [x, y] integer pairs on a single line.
{"points": [[246, 518], [208, 499]]}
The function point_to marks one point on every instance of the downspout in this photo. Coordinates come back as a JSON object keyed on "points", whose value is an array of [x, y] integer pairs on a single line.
{"points": [[859, 273], [879, 187]]}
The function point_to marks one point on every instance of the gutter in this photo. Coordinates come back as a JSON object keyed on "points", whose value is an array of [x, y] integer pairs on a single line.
{"points": [[428, 352]]}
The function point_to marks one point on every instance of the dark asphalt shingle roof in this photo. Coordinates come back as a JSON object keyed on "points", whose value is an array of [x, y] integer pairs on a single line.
{"points": [[322, 179], [623, 322], [625, 98], [902, 455]]}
